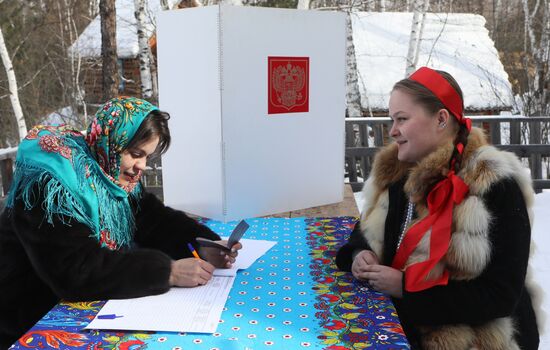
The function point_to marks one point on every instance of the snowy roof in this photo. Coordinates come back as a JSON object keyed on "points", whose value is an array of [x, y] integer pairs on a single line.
{"points": [[88, 43], [456, 43]]}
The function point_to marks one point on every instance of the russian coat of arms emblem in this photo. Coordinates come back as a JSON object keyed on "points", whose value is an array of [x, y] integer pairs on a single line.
{"points": [[288, 90]]}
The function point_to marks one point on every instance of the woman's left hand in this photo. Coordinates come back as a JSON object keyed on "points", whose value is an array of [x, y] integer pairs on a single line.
{"points": [[384, 279], [221, 258]]}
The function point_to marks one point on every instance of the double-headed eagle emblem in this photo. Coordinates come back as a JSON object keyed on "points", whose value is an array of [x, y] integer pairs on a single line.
{"points": [[288, 82]]}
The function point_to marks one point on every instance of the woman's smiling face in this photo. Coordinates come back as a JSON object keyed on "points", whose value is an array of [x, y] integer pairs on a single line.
{"points": [[416, 132], [134, 160]]}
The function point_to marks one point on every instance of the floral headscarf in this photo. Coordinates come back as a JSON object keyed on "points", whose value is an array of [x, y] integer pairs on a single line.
{"points": [[78, 176], [114, 125]]}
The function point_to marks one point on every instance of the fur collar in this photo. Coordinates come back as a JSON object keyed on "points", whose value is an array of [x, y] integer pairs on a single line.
{"points": [[482, 166], [423, 175]]}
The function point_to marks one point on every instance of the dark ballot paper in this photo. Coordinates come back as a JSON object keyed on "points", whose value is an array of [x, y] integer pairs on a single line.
{"points": [[235, 236]]}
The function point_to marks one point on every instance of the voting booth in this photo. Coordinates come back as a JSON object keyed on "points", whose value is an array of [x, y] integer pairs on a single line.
{"points": [[257, 104]]}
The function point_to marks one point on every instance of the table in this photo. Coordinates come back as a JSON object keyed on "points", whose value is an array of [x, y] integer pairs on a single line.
{"points": [[293, 297]]}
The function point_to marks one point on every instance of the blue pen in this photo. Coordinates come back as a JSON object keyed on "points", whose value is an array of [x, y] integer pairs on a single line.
{"points": [[193, 251], [108, 317]]}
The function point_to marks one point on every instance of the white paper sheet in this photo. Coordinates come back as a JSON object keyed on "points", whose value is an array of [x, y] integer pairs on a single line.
{"points": [[179, 310], [251, 251]]}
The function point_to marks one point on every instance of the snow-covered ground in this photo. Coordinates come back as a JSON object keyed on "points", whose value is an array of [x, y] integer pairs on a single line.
{"points": [[540, 261]]}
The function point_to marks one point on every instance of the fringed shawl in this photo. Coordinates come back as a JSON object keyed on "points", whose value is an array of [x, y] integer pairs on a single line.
{"points": [[77, 177]]}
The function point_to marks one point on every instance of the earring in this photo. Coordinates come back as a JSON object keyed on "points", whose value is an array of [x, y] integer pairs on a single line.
{"points": [[442, 125]]}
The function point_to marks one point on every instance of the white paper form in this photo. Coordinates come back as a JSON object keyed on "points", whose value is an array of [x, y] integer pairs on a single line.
{"points": [[251, 251], [195, 309]]}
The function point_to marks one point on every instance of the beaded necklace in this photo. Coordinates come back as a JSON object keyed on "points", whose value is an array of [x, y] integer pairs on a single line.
{"points": [[408, 219]]}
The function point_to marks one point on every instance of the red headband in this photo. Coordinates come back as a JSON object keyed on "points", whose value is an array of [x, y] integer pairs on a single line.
{"points": [[441, 88]]}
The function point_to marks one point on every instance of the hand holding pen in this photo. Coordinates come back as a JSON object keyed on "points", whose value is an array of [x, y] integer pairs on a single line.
{"points": [[190, 272]]}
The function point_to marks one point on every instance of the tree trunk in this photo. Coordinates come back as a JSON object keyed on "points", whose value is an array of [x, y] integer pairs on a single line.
{"points": [[415, 30], [143, 42], [232, 2], [12, 83], [164, 5], [370, 6], [539, 55], [76, 94], [107, 12], [425, 8], [303, 5], [497, 10], [353, 97]]}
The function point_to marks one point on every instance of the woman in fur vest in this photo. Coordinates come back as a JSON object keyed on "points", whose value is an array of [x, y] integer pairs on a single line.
{"points": [[78, 225], [446, 226]]}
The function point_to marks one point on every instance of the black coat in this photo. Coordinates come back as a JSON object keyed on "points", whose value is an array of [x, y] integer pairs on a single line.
{"points": [[498, 292], [41, 263]]}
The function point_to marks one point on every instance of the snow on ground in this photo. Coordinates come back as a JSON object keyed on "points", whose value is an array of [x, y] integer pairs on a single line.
{"points": [[540, 261]]}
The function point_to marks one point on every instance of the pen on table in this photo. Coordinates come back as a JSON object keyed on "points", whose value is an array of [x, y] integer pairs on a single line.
{"points": [[108, 317], [193, 251]]}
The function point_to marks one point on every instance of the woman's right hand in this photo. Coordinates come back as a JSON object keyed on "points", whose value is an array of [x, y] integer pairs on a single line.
{"points": [[190, 272], [361, 260]]}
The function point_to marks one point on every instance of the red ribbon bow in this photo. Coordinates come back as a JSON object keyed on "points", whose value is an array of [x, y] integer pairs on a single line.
{"points": [[441, 200]]}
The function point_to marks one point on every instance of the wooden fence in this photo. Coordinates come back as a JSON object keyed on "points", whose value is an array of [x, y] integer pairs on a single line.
{"points": [[527, 137]]}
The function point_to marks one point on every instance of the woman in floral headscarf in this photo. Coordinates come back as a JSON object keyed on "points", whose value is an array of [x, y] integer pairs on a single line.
{"points": [[78, 225]]}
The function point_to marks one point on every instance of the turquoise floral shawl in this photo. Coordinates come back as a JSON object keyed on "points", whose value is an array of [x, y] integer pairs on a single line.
{"points": [[78, 175]]}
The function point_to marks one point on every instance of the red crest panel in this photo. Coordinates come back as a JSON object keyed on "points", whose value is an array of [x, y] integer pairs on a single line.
{"points": [[288, 84]]}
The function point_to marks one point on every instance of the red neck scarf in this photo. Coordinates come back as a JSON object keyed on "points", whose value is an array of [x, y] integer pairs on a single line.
{"points": [[441, 200]]}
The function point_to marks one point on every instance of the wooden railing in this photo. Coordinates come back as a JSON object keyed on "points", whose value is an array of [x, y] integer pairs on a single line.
{"points": [[7, 158], [525, 137]]}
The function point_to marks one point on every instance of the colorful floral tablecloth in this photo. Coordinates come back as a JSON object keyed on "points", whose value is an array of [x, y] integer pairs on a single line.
{"points": [[292, 298]]}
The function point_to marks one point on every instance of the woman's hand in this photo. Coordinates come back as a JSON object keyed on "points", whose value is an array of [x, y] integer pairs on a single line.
{"points": [[384, 279], [221, 258], [361, 261], [190, 272]]}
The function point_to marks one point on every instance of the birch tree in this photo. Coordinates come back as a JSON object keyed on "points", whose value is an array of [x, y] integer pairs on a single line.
{"points": [[107, 12], [232, 2], [353, 97], [68, 26], [303, 5], [419, 14], [144, 54], [538, 47], [370, 6], [425, 8], [164, 5], [14, 94]]}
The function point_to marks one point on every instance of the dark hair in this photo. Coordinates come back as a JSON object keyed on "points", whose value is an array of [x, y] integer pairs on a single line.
{"points": [[155, 124], [432, 104]]}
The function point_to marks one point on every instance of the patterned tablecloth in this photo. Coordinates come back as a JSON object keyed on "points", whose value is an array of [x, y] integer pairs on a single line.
{"points": [[293, 297]]}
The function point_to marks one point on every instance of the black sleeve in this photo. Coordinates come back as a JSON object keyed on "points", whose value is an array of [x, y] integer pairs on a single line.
{"points": [[76, 267], [166, 229], [344, 256], [496, 292]]}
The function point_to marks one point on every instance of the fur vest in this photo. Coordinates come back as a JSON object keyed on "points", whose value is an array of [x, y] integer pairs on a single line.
{"points": [[470, 246]]}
